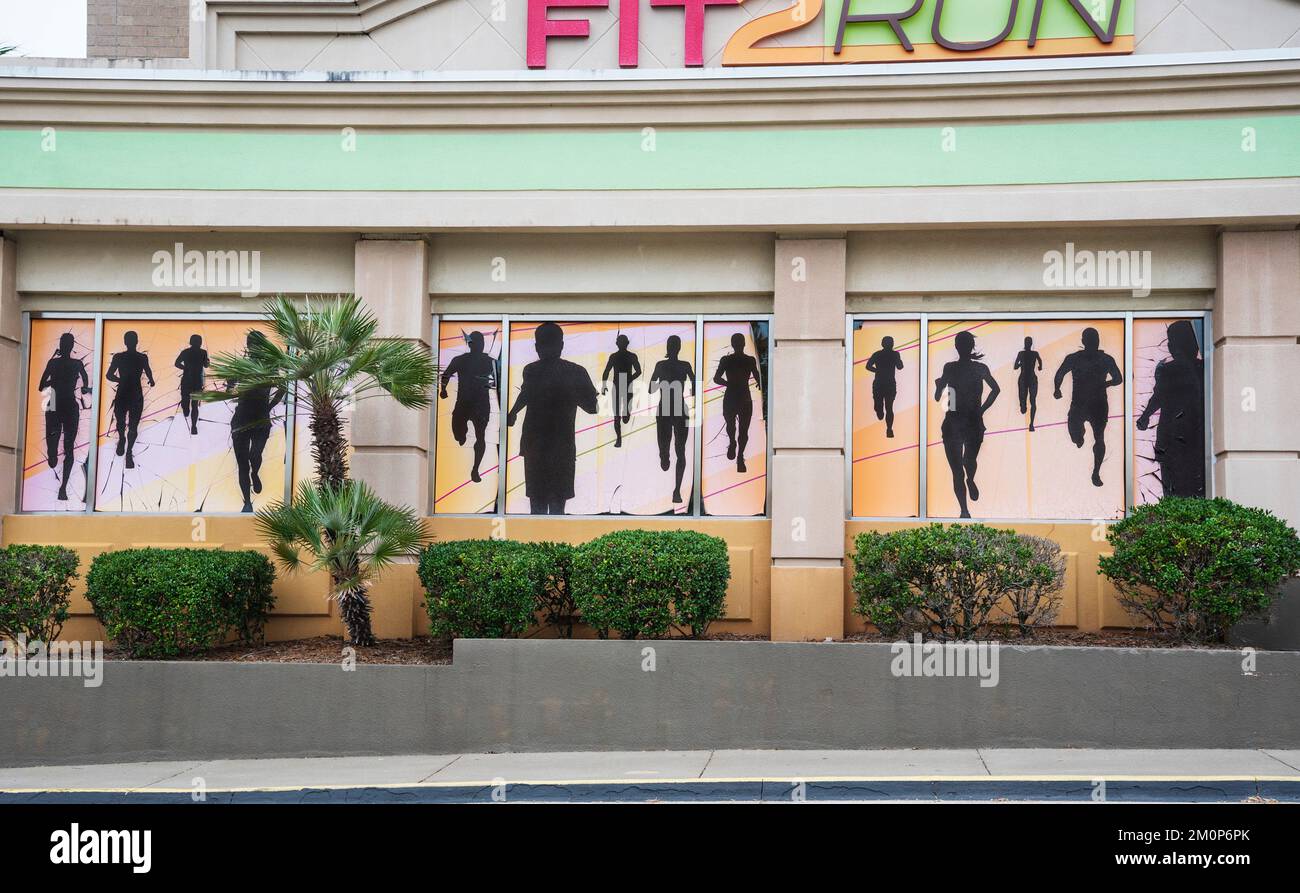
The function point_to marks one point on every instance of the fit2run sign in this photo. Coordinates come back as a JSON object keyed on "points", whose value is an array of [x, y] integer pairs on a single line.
{"points": [[814, 32]]}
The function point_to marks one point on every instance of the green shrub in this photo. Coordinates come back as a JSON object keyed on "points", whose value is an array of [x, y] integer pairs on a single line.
{"points": [[165, 602], [944, 581], [35, 585], [494, 589], [648, 582], [1194, 567], [1036, 605]]}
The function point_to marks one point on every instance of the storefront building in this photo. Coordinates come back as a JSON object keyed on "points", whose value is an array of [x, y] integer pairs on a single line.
{"points": [[822, 236]]}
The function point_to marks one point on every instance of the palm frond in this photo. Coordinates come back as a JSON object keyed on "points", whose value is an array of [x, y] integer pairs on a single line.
{"points": [[347, 531]]}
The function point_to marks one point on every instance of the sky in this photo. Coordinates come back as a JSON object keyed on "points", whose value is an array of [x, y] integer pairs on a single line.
{"points": [[44, 27]]}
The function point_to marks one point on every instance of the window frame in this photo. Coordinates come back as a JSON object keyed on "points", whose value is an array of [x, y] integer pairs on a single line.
{"points": [[925, 318], [699, 320]]}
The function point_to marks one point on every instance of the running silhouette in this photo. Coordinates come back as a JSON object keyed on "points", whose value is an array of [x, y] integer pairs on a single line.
{"points": [[250, 428], [963, 382], [63, 409], [192, 361], [128, 402], [476, 375], [734, 371], [1179, 397], [884, 363], [627, 369], [669, 380], [552, 392], [1030, 363], [1093, 371]]}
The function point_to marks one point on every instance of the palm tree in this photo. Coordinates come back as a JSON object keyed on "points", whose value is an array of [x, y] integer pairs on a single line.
{"points": [[327, 355], [348, 531]]}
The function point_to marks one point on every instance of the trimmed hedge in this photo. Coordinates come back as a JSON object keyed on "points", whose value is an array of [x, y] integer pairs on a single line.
{"points": [[648, 582], [35, 585], [494, 589], [1194, 567], [946, 581], [159, 603]]}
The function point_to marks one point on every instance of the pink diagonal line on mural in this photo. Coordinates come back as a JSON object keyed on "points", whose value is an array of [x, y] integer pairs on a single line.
{"points": [[757, 477], [108, 435], [901, 449], [1026, 428], [955, 334], [911, 346]]}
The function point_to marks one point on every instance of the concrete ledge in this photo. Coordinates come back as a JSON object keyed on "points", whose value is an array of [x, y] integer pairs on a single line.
{"points": [[549, 695]]}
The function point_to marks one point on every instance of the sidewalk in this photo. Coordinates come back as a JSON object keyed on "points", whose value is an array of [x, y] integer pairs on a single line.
{"points": [[699, 775]]}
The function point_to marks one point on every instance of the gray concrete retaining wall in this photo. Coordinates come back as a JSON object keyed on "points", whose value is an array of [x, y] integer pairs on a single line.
{"points": [[537, 695]]}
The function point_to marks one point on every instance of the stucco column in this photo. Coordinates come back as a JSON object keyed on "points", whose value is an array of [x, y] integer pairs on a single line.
{"points": [[1257, 371], [807, 389], [391, 443], [11, 389]]}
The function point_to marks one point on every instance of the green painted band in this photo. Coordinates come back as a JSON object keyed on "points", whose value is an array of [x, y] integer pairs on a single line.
{"points": [[663, 158]]}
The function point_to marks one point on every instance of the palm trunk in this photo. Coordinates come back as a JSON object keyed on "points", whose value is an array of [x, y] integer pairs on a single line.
{"points": [[354, 607], [329, 448]]}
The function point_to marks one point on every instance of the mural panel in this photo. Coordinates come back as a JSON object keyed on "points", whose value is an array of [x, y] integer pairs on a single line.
{"points": [[60, 385], [735, 418], [1168, 408], [600, 418], [1020, 419], [466, 454], [886, 418], [160, 449]]}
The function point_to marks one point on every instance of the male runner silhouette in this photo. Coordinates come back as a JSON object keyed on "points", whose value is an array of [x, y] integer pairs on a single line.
{"points": [[884, 387], [734, 371], [669, 380], [1030, 363], [63, 415], [1093, 371], [1179, 397], [553, 390], [963, 423], [192, 361], [250, 428], [477, 373], [128, 402], [627, 369]]}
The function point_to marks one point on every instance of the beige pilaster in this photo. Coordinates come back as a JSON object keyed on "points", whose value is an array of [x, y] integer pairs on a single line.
{"points": [[1256, 368], [10, 337], [807, 389], [391, 444]]}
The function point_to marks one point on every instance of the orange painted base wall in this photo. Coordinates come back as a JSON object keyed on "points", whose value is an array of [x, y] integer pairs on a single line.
{"points": [[302, 609]]}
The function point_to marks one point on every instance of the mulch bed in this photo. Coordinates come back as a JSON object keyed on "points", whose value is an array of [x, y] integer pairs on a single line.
{"points": [[1106, 638], [325, 650], [424, 650]]}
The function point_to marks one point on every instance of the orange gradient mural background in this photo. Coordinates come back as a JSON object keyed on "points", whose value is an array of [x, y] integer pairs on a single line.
{"points": [[453, 490], [886, 471]]}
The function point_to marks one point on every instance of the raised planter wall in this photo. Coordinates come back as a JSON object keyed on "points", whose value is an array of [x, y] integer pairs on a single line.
{"points": [[508, 695]]}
